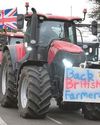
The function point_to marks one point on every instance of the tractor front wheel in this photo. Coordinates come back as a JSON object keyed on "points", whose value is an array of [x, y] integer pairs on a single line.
{"points": [[34, 92]]}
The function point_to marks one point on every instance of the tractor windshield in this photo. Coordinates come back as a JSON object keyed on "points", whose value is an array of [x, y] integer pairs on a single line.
{"points": [[50, 30], [14, 40]]}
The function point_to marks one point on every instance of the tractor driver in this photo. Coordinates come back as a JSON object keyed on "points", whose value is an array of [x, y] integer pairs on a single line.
{"points": [[47, 34]]}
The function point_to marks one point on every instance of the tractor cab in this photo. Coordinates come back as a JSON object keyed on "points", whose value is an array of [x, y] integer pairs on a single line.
{"points": [[43, 29], [51, 27], [9, 39]]}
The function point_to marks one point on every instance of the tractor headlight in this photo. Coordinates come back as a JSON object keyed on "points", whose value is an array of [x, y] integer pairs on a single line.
{"points": [[29, 48], [90, 50], [26, 44], [86, 53], [67, 63]]}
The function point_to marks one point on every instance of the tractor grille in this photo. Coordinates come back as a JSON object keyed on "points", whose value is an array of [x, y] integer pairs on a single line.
{"points": [[57, 68], [57, 65], [75, 58]]}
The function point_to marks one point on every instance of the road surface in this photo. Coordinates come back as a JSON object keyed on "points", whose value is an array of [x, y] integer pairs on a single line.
{"points": [[54, 117]]}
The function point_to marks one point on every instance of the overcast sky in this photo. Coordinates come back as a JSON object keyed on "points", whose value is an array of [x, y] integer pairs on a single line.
{"points": [[59, 7]]}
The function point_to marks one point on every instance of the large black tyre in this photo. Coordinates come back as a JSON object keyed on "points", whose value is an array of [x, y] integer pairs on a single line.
{"points": [[34, 92], [91, 111], [8, 86]]}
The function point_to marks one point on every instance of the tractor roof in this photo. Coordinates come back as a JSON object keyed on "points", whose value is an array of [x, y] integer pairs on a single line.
{"points": [[56, 17], [12, 34]]}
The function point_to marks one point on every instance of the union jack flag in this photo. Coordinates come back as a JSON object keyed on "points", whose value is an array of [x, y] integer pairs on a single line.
{"points": [[8, 19]]}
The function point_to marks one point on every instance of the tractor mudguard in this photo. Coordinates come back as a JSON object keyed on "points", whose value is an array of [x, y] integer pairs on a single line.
{"points": [[12, 51], [17, 52], [25, 62]]}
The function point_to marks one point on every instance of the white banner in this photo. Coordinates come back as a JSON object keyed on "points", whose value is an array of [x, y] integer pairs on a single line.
{"points": [[81, 85]]}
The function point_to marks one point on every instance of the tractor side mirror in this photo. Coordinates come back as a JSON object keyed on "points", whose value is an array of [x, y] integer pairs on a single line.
{"points": [[20, 21], [94, 27], [84, 12]]}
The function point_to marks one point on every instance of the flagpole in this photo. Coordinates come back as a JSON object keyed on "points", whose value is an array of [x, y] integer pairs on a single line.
{"points": [[71, 10]]}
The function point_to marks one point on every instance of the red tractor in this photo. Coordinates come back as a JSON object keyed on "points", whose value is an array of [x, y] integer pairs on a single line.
{"points": [[11, 37], [33, 72]]}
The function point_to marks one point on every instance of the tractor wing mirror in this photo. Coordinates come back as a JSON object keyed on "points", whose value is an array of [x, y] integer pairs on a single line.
{"points": [[20, 21], [94, 27], [84, 12]]}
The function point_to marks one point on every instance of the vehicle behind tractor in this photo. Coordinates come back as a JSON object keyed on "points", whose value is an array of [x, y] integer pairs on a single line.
{"points": [[47, 66], [11, 36], [88, 41]]}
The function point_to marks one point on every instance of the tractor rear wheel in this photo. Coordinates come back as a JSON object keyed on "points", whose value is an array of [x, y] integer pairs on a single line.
{"points": [[34, 92], [8, 86], [91, 111]]}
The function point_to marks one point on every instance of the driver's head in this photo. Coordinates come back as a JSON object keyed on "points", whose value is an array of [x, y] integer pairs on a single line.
{"points": [[45, 28]]}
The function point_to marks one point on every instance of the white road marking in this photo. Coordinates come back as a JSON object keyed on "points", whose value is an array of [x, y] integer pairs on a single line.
{"points": [[2, 122], [54, 120]]}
